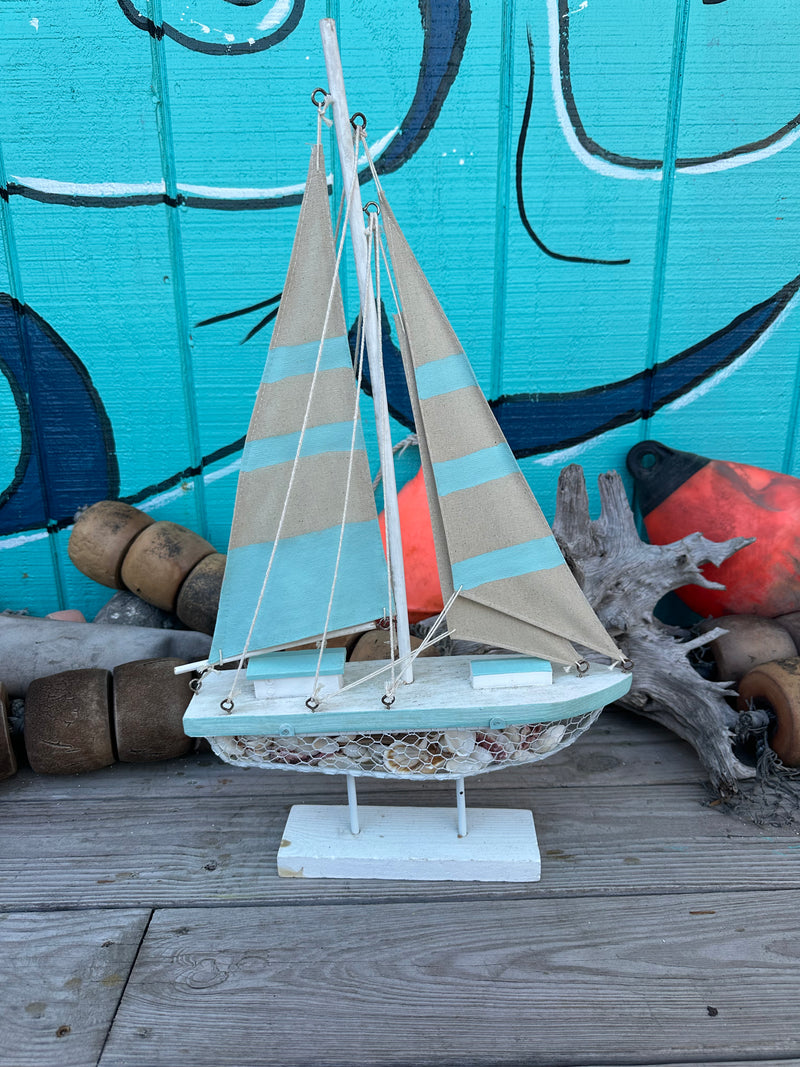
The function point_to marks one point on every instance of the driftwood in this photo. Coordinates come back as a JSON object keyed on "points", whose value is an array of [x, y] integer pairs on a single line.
{"points": [[623, 578]]}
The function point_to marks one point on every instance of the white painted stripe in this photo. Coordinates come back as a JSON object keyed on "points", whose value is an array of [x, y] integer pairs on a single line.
{"points": [[617, 170], [208, 192]]}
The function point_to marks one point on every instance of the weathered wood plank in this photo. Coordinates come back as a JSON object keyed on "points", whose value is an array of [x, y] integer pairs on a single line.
{"points": [[618, 750], [540, 982], [64, 973], [162, 852]]}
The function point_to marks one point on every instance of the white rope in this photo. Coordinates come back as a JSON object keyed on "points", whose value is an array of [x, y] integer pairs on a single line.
{"points": [[295, 462], [321, 109], [431, 638], [343, 524], [373, 244]]}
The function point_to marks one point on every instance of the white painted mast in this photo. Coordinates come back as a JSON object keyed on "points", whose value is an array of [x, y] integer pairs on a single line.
{"points": [[371, 326]]}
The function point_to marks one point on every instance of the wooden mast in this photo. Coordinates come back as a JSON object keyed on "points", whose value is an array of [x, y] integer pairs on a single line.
{"points": [[371, 326]]}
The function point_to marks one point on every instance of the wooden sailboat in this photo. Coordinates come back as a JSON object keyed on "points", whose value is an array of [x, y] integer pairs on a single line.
{"points": [[306, 564]]}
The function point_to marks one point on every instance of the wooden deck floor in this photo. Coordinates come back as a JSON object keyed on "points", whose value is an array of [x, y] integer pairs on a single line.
{"points": [[142, 924]]}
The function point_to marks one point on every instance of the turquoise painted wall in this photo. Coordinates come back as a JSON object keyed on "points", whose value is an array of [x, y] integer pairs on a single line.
{"points": [[602, 193]]}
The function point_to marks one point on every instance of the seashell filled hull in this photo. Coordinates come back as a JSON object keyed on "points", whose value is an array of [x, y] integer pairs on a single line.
{"points": [[446, 754]]}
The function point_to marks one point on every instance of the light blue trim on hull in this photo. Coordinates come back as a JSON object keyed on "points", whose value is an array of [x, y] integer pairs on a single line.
{"points": [[288, 361], [541, 554], [460, 708]]}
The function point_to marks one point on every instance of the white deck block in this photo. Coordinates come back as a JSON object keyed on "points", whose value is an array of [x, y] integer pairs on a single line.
{"points": [[420, 844], [291, 673]]}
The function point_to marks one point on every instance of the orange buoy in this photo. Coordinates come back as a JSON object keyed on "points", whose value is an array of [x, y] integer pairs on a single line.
{"points": [[680, 493], [419, 553]]}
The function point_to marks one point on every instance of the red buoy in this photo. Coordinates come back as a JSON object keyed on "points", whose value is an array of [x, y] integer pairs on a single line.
{"points": [[419, 553], [680, 493]]}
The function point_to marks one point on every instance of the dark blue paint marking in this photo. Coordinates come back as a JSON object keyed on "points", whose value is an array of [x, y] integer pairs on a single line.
{"points": [[445, 25], [67, 406], [67, 459], [534, 423], [213, 48], [523, 136], [635, 162]]}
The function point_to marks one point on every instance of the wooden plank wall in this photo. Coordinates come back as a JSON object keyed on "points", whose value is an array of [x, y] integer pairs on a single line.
{"points": [[593, 187]]}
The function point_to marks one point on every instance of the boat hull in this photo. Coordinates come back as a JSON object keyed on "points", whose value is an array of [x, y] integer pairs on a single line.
{"points": [[440, 698]]}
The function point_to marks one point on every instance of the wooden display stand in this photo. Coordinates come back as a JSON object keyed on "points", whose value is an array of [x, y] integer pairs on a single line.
{"points": [[419, 844]]}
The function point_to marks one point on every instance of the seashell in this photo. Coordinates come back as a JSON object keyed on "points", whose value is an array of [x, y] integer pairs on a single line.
{"points": [[329, 763], [403, 757], [434, 762], [459, 742], [325, 745], [354, 751], [464, 764], [530, 733], [522, 755], [292, 756], [550, 739], [496, 744], [514, 734]]}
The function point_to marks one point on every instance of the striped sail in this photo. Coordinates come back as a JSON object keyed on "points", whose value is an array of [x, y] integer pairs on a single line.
{"points": [[295, 598], [492, 540]]}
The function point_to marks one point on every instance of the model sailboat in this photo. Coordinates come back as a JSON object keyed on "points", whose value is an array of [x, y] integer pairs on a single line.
{"points": [[306, 561]]}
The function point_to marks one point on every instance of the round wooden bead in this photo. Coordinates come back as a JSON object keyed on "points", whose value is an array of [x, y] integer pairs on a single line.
{"points": [[791, 622], [67, 723], [375, 644], [198, 600], [149, 702], [159, 561], [8, 759], [101, 538], [750, 640], [775, 687]]}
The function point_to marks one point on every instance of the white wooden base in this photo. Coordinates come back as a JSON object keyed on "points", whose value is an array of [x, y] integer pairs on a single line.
{"points": [[409, 843]]}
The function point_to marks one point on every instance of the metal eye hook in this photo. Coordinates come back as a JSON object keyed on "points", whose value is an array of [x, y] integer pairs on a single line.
{"points": [[319, 103], [312, 704], [582, 667], [226, 705], [371, 208], [358, 125], [387, 700]]}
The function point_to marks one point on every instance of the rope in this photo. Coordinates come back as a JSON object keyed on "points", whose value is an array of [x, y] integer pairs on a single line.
{"points": [[323, 642]]}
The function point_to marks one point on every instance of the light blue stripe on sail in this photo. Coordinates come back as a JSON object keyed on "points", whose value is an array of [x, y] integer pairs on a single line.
{"points": [[282, 448], [444, 376], [296, 597], [289, 360], [541, 554], [474, 469]]}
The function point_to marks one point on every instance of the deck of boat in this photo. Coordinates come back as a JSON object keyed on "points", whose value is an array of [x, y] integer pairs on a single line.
{"points": [[143, 924]]}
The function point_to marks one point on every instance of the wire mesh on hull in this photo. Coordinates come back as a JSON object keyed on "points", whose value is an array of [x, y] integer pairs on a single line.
{"points": [[440, 754]]}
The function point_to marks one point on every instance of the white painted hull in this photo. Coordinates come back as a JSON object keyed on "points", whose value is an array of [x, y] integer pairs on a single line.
{"points": [[440, 698]]}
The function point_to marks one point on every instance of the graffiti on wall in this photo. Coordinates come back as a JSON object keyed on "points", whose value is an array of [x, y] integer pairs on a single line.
{"points": [[67, 454]]}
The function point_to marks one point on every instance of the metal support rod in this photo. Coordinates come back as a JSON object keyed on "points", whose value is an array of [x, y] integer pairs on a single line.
{"points": [[372, 333], [461, 807], [352, 803]]}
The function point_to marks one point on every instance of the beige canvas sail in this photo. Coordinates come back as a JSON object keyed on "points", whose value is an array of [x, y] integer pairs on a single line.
{"points": [[289, 520], [491, 537]]}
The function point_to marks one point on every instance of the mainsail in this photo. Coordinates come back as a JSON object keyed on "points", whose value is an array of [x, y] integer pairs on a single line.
{"points": [[492, 540], [297, 498]]}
